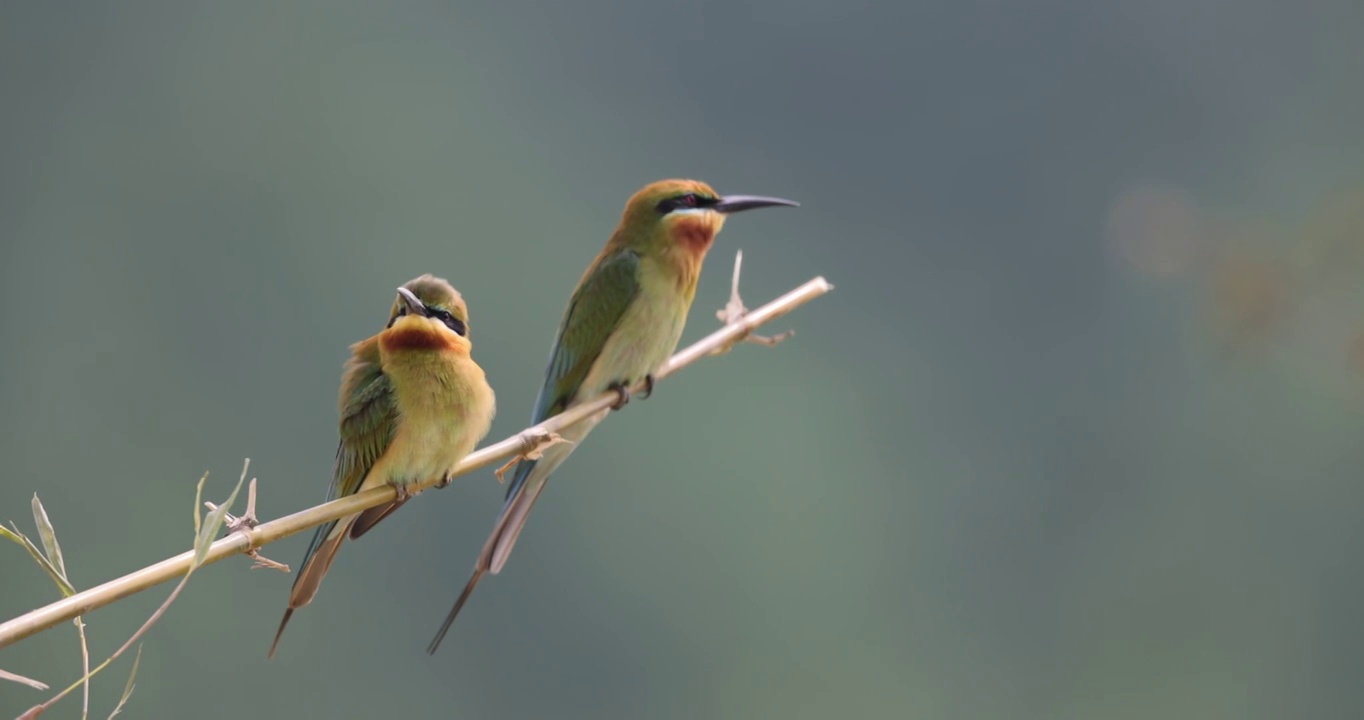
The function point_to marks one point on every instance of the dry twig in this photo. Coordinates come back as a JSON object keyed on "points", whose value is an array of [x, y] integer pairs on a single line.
{"points": [[247, 522], [535, 449], [15, 677], [735, 310]]}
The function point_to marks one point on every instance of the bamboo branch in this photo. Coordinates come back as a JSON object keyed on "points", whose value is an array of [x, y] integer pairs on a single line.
{"points": [[246, 539], [205, 529]]}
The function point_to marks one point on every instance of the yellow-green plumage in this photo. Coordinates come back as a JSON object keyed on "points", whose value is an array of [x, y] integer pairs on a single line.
{"points": [[413, 403], [622, 322]]}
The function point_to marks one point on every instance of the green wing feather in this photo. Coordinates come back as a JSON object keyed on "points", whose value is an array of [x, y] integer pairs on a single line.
{"points": [[368, 420], [594, 311]]}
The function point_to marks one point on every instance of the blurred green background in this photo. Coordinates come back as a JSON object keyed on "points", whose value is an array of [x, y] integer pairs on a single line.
{"points": [[1078, 435]]}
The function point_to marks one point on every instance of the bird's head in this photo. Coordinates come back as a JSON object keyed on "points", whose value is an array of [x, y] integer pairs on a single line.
{"points": [[430, 314], [685, 213]]}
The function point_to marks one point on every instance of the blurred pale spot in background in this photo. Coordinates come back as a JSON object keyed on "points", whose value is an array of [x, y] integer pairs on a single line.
{"points": [[1156, 230]]}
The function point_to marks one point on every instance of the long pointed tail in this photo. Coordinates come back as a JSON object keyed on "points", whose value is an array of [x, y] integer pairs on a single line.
{"points": [[288, 613], [521, 495], [525, 488], [454, 611], [316, 562], [514, 515]]}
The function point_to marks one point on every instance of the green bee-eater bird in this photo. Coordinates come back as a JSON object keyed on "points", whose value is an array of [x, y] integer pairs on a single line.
{"points": [[622, 323], [413, 404]]}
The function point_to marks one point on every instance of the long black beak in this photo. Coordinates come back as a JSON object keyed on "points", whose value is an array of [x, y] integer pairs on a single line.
{"points": [[414, 306], [739, 203]]}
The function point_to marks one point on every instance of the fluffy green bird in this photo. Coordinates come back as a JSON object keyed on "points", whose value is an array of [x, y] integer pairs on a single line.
{"points": [[413, 404], [622, 323]]}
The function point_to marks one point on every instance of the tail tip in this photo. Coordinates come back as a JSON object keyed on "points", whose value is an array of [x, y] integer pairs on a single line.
{"points": [[288, 613]]}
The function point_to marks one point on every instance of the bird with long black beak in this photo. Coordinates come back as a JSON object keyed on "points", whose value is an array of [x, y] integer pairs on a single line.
{"points": [[622, 323]]}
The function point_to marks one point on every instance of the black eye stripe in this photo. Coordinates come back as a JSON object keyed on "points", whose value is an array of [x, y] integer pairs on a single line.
{"points": [[690, 200], [455, 324], [450, 321]]}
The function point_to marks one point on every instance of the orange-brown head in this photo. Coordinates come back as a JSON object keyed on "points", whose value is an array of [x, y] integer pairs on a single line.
{"points": [[680, 216], [428, 314]]}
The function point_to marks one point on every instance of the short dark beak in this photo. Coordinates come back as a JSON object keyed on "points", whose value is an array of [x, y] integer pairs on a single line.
{"points": [[414, 306], [739, 203]]}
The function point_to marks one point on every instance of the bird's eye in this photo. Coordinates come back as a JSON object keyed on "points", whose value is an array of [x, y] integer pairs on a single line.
{"points": [[451, 322], [690, 200]]}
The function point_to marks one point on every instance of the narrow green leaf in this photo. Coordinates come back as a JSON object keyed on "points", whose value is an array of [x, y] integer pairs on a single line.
{"points": [[212, 523], [22, 539], [48, 535], [128, 689], [12, 677], [198, 503]]}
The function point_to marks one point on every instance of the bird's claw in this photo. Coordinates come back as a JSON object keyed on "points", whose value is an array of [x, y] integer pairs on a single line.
{"points": [[444, 482], [403, 494], [648, 386], [624, 392]]}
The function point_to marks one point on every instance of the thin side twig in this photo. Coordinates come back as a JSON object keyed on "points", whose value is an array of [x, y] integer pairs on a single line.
{"points": [[536, 450], [129, 686], [209, 527], [735, 310], [16, 677], [246, 539], [37, 710], [85, 669], [247, 522]]}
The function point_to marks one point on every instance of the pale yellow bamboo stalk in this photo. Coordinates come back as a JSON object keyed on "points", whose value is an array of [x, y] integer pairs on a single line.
{"points": [[83, 602]]}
